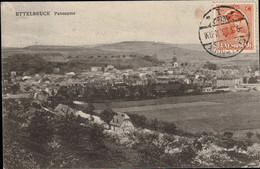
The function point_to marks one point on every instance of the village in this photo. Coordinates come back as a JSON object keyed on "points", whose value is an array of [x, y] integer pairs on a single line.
{"points": [[109, 83]]}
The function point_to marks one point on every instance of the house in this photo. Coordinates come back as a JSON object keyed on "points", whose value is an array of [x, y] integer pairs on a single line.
{"points": [[207, 90], [41, 96], [228, 82], [121, 123], [13, 74], [26, 78], [120, 85], [187, 80], [108, 67], [96, 69], [162, 79], [170, 72], [175, 64], [84, 115], [63, 109], [56, 70], [71, 74]]}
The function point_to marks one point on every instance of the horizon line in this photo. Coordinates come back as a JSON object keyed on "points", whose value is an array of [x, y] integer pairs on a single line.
{"points": [[100, 44]]}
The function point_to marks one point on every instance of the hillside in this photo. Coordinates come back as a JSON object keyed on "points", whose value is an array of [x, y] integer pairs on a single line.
{"points": [[165, 51], [162, 51], [79, 58], [50, 47]]}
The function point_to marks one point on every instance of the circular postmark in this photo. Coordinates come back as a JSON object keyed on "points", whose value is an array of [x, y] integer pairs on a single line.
{"points": [[224, 32]]}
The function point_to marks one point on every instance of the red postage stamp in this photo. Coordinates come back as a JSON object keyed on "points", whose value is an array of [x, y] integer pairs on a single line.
{"points": [[239, 22], [228, 29]]}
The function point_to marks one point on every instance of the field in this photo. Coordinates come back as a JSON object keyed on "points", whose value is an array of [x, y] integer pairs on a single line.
{"points": [[237, 112]]}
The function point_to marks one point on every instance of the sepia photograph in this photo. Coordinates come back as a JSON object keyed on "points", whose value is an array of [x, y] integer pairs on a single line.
{"points": [[130, 84]]}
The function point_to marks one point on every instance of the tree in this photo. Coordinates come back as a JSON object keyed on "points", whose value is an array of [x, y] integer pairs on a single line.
{"points": [[154, 125], [138, 120], [258, 136], [249, 136], [39, 129], [210, 66], [107, 115], [252, 80], [169, 127], [187, 155], [85, 142], [90, 109], [15, 155], [149, 150]]}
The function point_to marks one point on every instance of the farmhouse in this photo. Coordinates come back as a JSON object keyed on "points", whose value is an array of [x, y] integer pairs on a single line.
{"points": [[63, 109], [121, 123]]}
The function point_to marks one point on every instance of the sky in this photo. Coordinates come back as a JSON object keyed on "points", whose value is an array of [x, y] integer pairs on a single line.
{"points": [[102, 22]]}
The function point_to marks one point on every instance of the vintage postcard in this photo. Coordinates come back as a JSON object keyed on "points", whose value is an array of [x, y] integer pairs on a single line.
{"points": [[130, 84]]}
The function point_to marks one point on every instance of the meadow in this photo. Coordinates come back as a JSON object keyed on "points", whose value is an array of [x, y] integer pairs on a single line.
{"points": [[238, 112]]}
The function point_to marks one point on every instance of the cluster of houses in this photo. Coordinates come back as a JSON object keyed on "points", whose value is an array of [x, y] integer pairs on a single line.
{"points": [[164, 77], [120, 123]]}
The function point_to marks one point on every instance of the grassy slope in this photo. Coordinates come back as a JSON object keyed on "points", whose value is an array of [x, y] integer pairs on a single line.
{"points": [[235, 111]]}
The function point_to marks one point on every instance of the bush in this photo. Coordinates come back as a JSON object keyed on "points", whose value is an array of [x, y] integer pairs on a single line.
{"points": [[138, 120], [156, 125], [211, 66]]}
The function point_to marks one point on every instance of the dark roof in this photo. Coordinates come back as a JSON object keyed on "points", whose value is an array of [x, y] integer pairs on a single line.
{"points": [[118, 119], [62, 108]]}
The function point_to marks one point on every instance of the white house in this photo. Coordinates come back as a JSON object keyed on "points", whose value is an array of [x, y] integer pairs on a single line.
{"points": [[96, 69], [187, 80], [121, 123], [207, 90], [71, 74], [26, 77]]}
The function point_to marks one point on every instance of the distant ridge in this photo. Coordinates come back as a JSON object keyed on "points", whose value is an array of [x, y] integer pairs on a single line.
{"points": [[161, 50], [41, 47]]}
